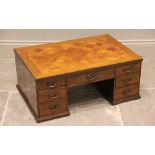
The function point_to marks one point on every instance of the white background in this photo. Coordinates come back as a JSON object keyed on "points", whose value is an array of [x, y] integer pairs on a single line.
{"points": [[71, 14], [77, 14]]}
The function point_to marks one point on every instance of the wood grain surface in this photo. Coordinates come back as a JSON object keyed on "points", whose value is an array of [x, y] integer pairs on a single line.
{"points": [[75, 55]]}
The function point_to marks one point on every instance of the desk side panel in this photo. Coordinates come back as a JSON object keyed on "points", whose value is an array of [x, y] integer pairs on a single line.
{"points": [[26, 83]]}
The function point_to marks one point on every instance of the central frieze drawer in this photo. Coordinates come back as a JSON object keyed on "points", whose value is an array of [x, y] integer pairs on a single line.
{"points": [[90, 77]]}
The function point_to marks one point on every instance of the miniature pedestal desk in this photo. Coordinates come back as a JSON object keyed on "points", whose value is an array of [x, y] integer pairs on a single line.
{"points": [[46, 72]]}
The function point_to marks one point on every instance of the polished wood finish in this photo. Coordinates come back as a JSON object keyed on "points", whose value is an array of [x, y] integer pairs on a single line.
{"points": [[126, 80], [75, 55], [126, 99], [46, 72], [126, 91], [50, 83], [129, 68], [90, 77], [27, 83], [53, 95], [43, 118], [52, 108]]}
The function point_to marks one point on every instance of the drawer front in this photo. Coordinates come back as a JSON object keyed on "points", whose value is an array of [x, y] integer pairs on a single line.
{"points": [[50, 83], [91, 77], [126, 80], [127, 91], [126, 69], [52, 108], [52, 95]]}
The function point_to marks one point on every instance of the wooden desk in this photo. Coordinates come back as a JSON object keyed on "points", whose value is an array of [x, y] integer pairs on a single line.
{"points": [[46, 72]]}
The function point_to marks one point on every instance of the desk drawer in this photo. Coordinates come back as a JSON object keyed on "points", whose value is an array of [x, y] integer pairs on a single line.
{"points": [[126, 92], [52, 95], [52, 108], [50, 83], [130, 68], [90, 77], [126, 80]]}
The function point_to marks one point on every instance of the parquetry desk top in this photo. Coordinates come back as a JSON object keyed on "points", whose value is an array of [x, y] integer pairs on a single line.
{"points": [[74, 55]]}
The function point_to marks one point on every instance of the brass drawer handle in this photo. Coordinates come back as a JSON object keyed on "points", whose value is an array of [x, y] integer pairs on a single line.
{"points": [[91, 77], [127, 91], [126, 81], [54, 107], [128, 68], [52, 95], [51, 84]]}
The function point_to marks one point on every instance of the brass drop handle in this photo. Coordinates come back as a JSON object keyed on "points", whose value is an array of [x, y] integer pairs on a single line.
{"points": [[128, 68], [52, 95], [126, 91], [51, 84], [54, 107], [126, 81], [91, 77]]}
